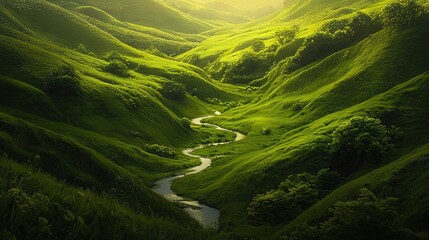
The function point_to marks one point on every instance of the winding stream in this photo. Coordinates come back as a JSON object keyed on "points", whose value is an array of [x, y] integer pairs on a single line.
{"points": [[205, 215]]}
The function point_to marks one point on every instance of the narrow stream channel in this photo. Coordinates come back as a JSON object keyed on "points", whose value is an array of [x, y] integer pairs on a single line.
{"points": [[205, 215]]}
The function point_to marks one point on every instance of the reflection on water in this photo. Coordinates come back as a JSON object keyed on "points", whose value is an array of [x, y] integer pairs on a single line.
{"points": [[205, 215]]}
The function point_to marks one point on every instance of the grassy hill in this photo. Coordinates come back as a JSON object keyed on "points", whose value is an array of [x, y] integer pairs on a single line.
{"points": [[151, 13], [95, 106], [290, 125], [81, 105]]}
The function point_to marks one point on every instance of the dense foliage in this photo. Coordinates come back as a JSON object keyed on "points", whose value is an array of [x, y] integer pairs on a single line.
{"points": [[63, 82], [404, 12], [367, 217], [361, 139], [250, 66], [293, 196], [117, 67], [174, 90], [35, 206], [162, 151]]}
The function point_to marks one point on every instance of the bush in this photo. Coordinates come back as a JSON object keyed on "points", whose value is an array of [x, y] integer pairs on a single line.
{"points": [[186, 122], [161, 151], [359, 139], [403, 12], [258, 46], [117, 67], [173, 90], [63, 82], [335, 25], [292, 196], [82, 49], [367, 217], [286, 36], [333, 36], [249, 67]]}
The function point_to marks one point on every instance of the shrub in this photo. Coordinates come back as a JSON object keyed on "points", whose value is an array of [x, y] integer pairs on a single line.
{"points": [[250, 66], [117, 67], [63, 82], [359, 139], [258, 46], [333, 36], [286, 36], [161, 151], [292, 196], [186, 122], [82, 49], [173, 90], [367, 217], [403, 12], [334, 25]]}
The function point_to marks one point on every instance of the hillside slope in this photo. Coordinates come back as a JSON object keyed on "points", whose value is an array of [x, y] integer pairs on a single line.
{"points": [[290, 129], [84, 107], [151, 13]]}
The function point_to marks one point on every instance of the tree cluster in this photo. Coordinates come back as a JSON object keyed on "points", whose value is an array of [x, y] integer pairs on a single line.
{"points": [[173, 90], [367, 217], [250, 66], [361, 139], [292, 196], [402, 13]]}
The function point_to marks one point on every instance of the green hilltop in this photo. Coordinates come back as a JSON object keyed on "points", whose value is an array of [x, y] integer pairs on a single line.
{"points": [[96, 99]]}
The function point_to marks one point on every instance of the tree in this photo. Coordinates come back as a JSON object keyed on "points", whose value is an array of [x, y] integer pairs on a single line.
{"points": [[63, 82], [335, 25], [367, 217], [360, 138], [258, 45], [403, 12], [173, 90], [294, 195], [362, 24], [286, 36], [117, 67]]}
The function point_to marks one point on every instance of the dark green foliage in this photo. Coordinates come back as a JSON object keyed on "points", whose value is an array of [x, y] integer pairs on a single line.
{"points": [[114, 55], [334, 25], [266, 131], [161, 151], [117, 67], [173, 90], [293, 196], [361, 139], [367, 217], [35, 206], [82, 49], [363, 25], [258, 46], [286, 36], [186, 122], [403, 12], [249, 67], [333, 36], [63, 82]]}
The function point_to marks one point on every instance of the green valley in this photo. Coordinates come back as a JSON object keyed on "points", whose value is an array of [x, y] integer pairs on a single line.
{"points": [[101, 106]]}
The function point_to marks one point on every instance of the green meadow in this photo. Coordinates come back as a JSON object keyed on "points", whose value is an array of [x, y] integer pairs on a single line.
{"points": [[97, 100]]}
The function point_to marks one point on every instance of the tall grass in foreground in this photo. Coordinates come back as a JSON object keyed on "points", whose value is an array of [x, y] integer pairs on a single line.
{"points": [[35, 206]]}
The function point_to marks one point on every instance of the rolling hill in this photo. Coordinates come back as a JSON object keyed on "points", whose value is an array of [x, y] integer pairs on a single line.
{"points": [[96, 99]]}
